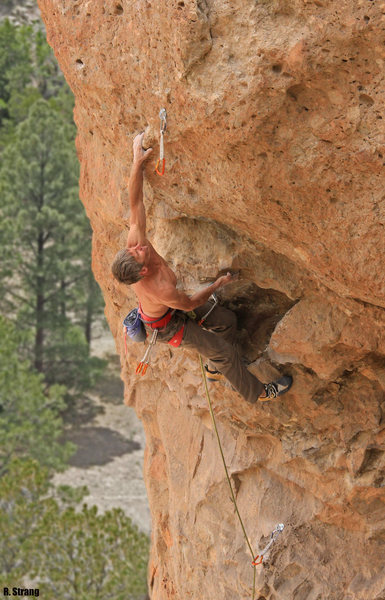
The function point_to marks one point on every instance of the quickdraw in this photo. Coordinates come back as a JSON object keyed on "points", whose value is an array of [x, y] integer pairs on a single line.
{"points": [[143, 364], [203, 319], [259, 558], [161, 164]]}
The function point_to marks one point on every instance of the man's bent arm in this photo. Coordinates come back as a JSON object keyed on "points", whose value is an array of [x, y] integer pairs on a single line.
{"points": [[177, 299], [137, 233]]}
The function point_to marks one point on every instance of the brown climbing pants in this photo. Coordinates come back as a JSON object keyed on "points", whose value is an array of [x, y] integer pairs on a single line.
{"points": [[217, 345]]}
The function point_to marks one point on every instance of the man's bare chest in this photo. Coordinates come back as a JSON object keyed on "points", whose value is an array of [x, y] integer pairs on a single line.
{"points": [[164, 277]]}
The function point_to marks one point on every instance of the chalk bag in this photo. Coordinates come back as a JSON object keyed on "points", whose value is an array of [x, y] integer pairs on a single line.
{"points": [[133, 327]]}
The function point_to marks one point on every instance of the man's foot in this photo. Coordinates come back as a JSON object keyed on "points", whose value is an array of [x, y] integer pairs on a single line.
{"points": [[276, 388], [213, 375]]}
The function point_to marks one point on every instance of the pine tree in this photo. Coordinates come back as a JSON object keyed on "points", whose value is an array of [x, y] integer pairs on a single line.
{"points": [[28, 71], [46, 243], [15, 63], [30, 422], [68, 553]]}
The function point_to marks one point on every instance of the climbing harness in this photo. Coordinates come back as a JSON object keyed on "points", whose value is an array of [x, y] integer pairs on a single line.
{"points": [[161, 323], [279, 527], [161, 164], [134, 327], [157, 325], [259, 558], [214, 297]]}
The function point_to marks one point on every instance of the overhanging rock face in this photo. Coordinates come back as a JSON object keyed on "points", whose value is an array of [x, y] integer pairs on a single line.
{"points": [[275, 155]]}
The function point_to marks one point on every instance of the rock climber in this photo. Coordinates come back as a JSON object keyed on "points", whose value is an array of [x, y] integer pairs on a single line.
{"points": [[163, 306]]}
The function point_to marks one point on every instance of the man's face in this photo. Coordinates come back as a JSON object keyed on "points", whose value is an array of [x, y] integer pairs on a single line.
{"points": [[140, 253]]}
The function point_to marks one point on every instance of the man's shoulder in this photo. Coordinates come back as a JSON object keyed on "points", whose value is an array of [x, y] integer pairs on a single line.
{"points": [[152, 297], [153, 286]]}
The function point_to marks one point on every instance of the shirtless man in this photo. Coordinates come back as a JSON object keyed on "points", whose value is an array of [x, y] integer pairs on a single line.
{"points": [[162, 305]]}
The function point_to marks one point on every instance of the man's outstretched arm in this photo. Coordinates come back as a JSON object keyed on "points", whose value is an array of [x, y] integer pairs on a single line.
{"points": [[137, 233]]}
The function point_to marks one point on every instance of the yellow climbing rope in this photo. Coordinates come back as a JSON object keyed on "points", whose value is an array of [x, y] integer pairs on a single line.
{"points": [[227, 472], [256, 559]]}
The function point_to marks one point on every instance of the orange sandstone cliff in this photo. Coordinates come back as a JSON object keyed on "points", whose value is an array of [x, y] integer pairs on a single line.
{"points": [[275, 155]]}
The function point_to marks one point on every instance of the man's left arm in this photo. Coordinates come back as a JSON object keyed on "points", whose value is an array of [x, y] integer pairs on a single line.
{"points": [[178, 299]]}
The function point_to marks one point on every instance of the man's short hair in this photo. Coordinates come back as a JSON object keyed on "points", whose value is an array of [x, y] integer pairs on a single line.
{"points": [[125, 268]]}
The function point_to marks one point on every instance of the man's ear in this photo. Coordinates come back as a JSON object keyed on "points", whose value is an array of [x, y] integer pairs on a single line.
{"points": [[143, 271]]}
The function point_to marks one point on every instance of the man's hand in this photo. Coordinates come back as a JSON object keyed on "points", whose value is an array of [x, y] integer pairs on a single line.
{"points": [[221, 281], [140, 154]]}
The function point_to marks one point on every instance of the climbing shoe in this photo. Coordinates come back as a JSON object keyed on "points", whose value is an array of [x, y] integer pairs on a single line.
{"points": [[276, 388], [213, 375]]}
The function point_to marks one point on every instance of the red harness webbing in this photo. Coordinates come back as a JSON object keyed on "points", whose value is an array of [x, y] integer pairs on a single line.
{"points": [[161, 322]]}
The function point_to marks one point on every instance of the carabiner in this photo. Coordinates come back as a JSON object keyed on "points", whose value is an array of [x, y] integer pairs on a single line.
{"points": [[163, 166], [258, 560], [203, 319]]}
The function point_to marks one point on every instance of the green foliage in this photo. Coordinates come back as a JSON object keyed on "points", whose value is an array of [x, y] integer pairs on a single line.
{"points": [[15, 62], [91, 556], [69, 553], [44, 537], [66, 358], [44, 233], [28, 71], [23, 503], [30, 423], [46, 284], [47, 289], [70, 496]]}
